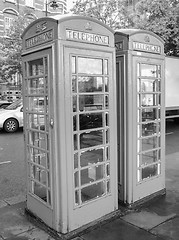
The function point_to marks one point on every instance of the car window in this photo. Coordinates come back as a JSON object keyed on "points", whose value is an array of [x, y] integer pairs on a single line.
{"points": [[14, 105]]}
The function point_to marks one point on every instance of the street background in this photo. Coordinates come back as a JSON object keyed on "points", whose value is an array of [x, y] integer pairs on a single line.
{"points": [[12, 164]]}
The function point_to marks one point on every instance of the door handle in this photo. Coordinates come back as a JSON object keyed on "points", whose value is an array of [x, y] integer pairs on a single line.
{"points": [[51, 122]]}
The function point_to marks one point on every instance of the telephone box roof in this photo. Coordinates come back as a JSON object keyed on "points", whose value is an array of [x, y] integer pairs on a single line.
{"points": [[66, 17], [129, 32]]}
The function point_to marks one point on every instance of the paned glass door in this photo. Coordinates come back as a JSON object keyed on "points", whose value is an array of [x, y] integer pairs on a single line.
{"points": [[149, 121], [90, 91], [36, 124], [149, 172], [93, 156]]}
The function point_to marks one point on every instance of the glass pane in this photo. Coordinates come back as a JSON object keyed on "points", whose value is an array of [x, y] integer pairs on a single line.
{"points": [[90, 139], [93, 156], [93, 191], [74, 103], [74, 84], [36, 67], [75, 142], [106, 80], [105, 67], [36, 86], [37, 104], [73, 64], [150, 171], [76, 176], [148, 85], [89, 65], [75, 160], [148, 70], [77, 198], [40, 191], [149, 114], [147, 100], [91, 102], [149, 129], [74, 123], [37, 139], [148, 143], [91, 120], [90, 84], [148, 158], [37, 121], [92, 173]]}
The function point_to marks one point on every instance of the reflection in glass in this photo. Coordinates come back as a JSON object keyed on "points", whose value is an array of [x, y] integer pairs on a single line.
{"points": [[105, 66], [149, 143], [36, 67], [90, 84], [73, 64], [93, 191], [147, 100], [148, 158], [90, 139], [148, 114], [148, 85], [40, 191], [37, 121], [76, 176], [106, 82], [75, 160], [74, 123], [90, 65], [90, 120], [148, 70], [149, 129], [36, 104], [91, 102], [74, 103], [77, 198], [74, 84], [150, 171], [75, 141], [36, 86], [93, 156], [92, 173]]}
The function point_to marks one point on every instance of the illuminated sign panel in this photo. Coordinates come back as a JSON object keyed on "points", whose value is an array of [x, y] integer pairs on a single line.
{"points": [[146, 47], [87, 37], [39, 39]]}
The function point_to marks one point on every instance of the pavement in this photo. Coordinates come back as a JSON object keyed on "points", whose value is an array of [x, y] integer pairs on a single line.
{"points": [[157, 219]]}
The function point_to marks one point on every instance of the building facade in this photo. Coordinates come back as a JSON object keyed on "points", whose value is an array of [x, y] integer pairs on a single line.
{"points": [[32, 9]]}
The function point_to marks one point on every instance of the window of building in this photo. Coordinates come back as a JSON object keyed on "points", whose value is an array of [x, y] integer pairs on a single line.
{"points": [[29, 3], [9, 16]]}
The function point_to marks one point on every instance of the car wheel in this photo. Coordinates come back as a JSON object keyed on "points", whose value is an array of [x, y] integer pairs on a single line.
{"points": [[11, 125]]}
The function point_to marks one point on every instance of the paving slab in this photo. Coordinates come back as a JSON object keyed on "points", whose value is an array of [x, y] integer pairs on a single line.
{"points": [[168, 230], [32, 234], [13, 221], [15, 199], [146, 220], [119, 230]]}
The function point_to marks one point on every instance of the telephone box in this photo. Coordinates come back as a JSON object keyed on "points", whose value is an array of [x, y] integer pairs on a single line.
{"points": [[70, 120], [141, 115]]}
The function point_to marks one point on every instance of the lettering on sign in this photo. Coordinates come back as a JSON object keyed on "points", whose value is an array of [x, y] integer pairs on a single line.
{"points": [[39, 39], [87, 37], [146, 47]]}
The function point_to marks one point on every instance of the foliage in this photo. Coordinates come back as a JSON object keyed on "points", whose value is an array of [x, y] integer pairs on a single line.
{"points": [[106, 11], [158, 16], [11, 47]]}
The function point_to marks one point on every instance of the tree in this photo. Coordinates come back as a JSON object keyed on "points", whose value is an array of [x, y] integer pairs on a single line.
{"points": [[11, 48], [106, 11], [160, 17]]}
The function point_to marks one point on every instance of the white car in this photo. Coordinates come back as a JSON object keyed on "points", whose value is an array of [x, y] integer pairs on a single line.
{"points": [[11, 118]]}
